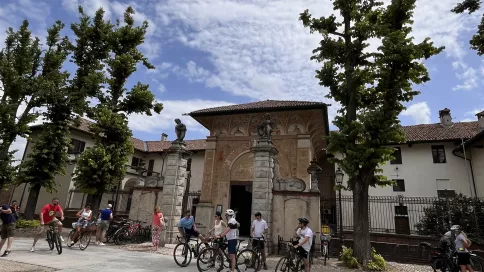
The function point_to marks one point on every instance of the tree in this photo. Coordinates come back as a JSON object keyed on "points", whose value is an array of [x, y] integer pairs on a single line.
{"points": [[49, 154], [116, 48], [370, 87], [477, 41], [20, 63]]}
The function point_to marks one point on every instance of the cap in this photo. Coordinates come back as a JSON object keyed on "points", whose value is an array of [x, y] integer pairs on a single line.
{"points": [[110, 206]]}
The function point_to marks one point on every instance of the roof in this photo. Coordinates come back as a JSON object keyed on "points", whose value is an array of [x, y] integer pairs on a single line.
{"points": [[439, 133], [140, 145], [267, 105]]}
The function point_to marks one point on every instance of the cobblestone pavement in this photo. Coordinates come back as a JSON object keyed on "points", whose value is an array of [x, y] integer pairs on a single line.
{"points": [[11, 266]]}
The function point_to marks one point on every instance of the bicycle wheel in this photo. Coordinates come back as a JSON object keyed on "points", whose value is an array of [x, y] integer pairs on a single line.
{"points": [[57, 242], [182, 255], [476, 263], [84, 240], [324, 253], [248, 260], [69, 238], [208, 259], [50, 240], [282, 265], [121, 236], [139, 237]]}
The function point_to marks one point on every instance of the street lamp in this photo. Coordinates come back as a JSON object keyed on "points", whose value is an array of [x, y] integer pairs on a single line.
{"points": [[339, 181]]}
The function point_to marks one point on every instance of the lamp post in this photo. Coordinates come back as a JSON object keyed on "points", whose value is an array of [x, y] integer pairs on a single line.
{"points": [[339, 181]]}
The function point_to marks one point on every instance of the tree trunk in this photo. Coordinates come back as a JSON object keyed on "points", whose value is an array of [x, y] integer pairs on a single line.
{"points": [[32, 202], [361, 232], [95, 202]]}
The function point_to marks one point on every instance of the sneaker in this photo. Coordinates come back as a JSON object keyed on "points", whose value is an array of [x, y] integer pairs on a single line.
{"points": [[32, 249], [81, 245], [5, 254], [265, 267], [72, 243], [101, 244], [97, 243], [62, 239]]}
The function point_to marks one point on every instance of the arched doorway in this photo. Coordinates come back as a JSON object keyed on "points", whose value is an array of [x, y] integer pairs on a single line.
{"points": [[241, 176]]}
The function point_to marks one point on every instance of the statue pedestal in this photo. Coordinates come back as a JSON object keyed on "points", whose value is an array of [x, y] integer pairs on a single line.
{"points": [[173, 189], [264, 154]]}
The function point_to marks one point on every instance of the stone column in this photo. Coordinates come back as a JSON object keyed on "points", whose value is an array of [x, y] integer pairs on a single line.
{"points": [[314, 170], [264, 154], [174, 188]]}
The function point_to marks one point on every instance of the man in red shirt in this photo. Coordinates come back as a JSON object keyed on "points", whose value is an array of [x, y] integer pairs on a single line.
{"points": [[47, 217]]}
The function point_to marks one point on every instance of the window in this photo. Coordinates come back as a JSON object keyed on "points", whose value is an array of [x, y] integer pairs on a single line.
{"points": [[135, 162], [438, 154], [151, 164], [398, 156], [76, 147], [446, 193], [399, 185], [189, 164]]}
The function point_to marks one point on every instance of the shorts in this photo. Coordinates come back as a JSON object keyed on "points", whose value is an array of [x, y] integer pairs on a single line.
{"points": [[192, 233], [259, 243], [302, 253], [463, 258], [46, 226], [104, 225], [82, 223], [232, 246], [7, 230]]}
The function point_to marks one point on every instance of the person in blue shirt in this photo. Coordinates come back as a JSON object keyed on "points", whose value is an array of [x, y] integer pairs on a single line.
{"points": [[105, 216], [187, 227]]}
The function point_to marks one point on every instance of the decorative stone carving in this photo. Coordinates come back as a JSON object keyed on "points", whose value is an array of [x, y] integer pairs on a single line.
{"points": [[314, 169], [151, 181], [265, 129], [242, 169], [180, 130], [296, 129], [238, 131]]}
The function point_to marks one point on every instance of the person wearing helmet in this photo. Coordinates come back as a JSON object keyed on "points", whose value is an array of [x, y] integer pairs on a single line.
{"points": [[305, 241], [461, 246], [231, 234]]}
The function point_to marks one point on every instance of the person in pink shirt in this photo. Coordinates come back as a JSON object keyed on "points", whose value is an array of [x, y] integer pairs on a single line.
{"points": [[157, 225]]}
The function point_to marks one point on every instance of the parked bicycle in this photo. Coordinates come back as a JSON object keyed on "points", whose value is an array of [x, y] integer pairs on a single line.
{"points": [[131, 231], [185, 250], [217, 257], [84, 236], [54, 239], [114, 226], [325, 239]]}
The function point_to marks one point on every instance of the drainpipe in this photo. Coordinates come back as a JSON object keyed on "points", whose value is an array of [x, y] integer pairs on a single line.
{"points": [[471, 178]]}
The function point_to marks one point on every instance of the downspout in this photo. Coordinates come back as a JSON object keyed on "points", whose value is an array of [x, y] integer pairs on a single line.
{"points": [[472, 169]]}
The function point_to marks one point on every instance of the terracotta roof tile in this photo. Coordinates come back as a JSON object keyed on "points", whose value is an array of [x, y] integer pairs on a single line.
{"points": [[261, 105], [436, 132]]}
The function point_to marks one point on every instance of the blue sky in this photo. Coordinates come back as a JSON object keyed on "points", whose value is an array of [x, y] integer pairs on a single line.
{"points": [[217, 52]]}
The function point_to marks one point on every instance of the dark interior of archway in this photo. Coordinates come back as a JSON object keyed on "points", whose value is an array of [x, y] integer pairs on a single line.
{"points": [[241, 201]]}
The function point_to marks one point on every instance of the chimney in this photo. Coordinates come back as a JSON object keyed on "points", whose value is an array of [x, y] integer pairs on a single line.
{"points": [[164, 137], [445, 117], [480, 119]]}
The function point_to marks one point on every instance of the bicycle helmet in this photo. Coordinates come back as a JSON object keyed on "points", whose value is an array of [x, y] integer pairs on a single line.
{"points": [[455, 228], [303, 220], [230, 212]]}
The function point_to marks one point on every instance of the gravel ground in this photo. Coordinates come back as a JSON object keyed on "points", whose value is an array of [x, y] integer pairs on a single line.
{"points": [[332, 265], [30, 232], [11, 266]]}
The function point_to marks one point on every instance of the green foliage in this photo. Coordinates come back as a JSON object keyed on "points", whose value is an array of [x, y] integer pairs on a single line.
{"points": [[101, 44], [468, 212], [22, 223], [347, 258], [471, 6], [377, 262]]}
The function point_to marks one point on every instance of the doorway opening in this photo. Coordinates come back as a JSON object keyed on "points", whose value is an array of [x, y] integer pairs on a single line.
{"points": [[241, 203]]}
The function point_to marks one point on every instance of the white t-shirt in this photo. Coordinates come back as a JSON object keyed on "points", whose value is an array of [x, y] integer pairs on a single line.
{"points": [[259, 227], [307, 232], [85, 213], [232, 234]]}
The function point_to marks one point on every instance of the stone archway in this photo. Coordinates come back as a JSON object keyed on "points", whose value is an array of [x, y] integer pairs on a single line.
{"points": [[241, 177]]}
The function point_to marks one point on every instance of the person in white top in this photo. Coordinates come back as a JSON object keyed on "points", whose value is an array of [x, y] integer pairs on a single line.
{"points": [[259, 228], [231, 235], [84, 217], [219, 225], [305, 241]]}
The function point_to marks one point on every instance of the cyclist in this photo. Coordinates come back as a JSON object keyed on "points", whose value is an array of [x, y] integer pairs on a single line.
{"points": [[259, 227], [305, 241], [84, 217], [231, 234], [47, 217], [187, 227], [461, 246]]}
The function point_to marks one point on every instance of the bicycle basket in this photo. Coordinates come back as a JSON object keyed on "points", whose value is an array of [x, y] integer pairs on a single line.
{"points": [[74, 225]]}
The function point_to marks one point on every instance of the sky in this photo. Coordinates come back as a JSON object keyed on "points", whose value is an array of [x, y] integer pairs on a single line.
{"points": [[212, 53]]}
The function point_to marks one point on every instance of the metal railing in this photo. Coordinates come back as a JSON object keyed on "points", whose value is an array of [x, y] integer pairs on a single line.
{"points": [[77, 200]]}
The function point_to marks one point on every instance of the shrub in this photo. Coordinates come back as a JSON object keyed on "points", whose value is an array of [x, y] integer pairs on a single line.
{"points": [[22, 223], [348, 259], [377, 262]]}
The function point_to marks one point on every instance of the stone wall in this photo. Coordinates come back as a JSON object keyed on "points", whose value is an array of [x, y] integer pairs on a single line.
{"points": [[143, 202]]}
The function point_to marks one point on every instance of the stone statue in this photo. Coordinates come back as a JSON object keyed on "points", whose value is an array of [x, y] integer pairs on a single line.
{"points": [[265, 129], [180, 130]]}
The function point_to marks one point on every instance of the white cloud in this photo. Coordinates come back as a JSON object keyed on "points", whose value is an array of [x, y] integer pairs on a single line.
{"points": [[161, 88], [468, 75], [474, 112], [419, 112], [164, 122]]}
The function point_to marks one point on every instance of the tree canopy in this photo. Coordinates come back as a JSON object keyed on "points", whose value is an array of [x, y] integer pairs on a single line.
{"points": [[371, 87], [471, 6]]}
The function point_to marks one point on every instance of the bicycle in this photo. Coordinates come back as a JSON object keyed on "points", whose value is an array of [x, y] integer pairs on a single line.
{"points": [[132, 230], [325, 239], [257, 248], [53, 238], [84, 236], [212, 255], [292, 261], [187, 250]]}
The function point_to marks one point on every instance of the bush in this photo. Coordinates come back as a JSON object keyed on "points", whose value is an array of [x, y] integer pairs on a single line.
{"points": [[22, 223], [377, 262], [348, 259]]}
